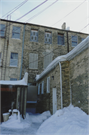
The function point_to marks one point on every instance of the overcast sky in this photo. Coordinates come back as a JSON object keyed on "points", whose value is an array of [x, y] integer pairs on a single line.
{"points": [[54, 16]]}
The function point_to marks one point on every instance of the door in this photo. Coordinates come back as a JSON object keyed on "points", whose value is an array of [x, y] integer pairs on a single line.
{"points": [[54, 100]]}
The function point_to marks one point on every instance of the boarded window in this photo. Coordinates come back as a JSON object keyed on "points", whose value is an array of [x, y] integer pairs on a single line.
{"points": [[60, 39], [48, 38], [42, 89], [16, 32], [34, 36], [33, 61], [47, 59], [74, 41], [48, 85], [14, 59], [2, 30]]}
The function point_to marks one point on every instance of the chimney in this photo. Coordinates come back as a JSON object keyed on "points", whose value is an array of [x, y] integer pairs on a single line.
{"points": [[64, 26]]}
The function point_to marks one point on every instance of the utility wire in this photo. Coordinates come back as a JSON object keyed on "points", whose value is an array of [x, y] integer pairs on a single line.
{"points": [[14, 9], [32, 10], [41, 12], [27, 13], [69, 13]]}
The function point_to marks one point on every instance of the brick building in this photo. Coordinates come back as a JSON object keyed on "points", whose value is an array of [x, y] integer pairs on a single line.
{"points": [[23, 43], [65, 81]]}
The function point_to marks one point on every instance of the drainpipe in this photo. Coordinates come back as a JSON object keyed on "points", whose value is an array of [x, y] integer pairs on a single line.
{"points": [[22, 50], [61, 84]]}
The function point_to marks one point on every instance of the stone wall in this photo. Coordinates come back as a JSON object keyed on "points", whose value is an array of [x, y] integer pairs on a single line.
{"points": [[45, 101], [79, 78], [8, 45]]}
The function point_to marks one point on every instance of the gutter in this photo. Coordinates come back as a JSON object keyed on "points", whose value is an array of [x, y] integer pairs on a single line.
{"points": [[22, 50], [69, 56], [61, 84]]}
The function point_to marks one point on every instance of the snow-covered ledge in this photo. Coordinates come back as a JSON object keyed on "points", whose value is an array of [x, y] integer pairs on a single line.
{"points": [[22, 82]]}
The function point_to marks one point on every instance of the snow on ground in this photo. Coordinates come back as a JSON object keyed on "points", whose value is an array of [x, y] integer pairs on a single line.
{"points": [[29, 125], [67, 121]]}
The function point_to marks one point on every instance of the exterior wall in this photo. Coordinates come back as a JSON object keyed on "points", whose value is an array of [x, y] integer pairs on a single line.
{"points": [[8, 45], [79, 77], [41, 47], [45, 101]]}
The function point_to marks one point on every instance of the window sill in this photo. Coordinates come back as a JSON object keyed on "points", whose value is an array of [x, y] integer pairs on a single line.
{"points": [[13, 66], [61, 45], [16, 38]]}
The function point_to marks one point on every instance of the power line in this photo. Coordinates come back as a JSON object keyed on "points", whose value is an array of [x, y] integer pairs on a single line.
{"points": [[41, 11], [14, 9], [69, 13], [32, 10], [27, 13]]}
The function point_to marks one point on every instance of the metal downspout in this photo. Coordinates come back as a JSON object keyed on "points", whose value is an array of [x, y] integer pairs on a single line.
{"points": [[61, 85], [22, 51]]}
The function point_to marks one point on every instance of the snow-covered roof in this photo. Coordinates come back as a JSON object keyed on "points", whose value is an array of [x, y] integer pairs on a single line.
{"points": [[23, 82], [78, 49]]}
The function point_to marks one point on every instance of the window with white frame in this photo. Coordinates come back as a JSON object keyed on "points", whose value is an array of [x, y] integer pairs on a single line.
{"points": [[14, 60], [60, 39], [48, 84], [33, 61], [16, 32], [2, 30], [47, 58], [34, 36], [39, 89], [42, 89], [0, 59], [74, 41], [48, 37]]}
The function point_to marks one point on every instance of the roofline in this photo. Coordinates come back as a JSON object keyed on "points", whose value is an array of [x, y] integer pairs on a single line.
{"points": [[42, 26], [69, 56]]}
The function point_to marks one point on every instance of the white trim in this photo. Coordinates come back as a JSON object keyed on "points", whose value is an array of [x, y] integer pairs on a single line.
{"points": [[42, 89], [48, 84], [39, 89]]}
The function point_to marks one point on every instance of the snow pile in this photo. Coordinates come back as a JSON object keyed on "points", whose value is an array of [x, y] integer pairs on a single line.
{"points": [[38, 118], [14, 122], [20, 123], [67, 121], [23, 82]]}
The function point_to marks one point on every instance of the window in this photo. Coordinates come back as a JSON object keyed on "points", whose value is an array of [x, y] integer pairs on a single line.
{"points": [[2, 30], [13, 79], [42, 89], [34, 36], [48, 37], [83, 39], [74, 41], [38, 89], [48, 85], [33, 61], [47, 59], [16, 32], [60, 39], [0, 59], [14, 59]]}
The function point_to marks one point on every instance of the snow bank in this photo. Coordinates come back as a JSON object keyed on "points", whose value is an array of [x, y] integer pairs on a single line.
{"points": [[38, 118], [19, 123], [67, 121]]}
